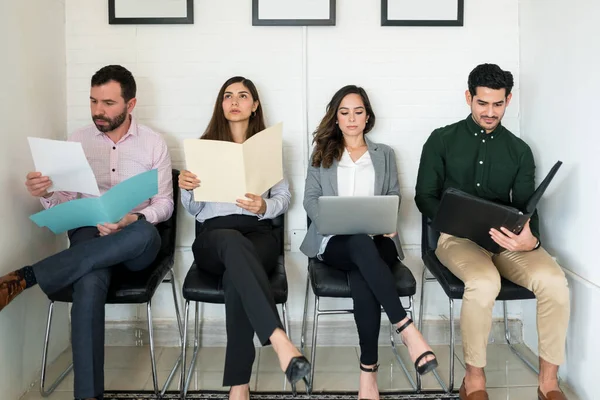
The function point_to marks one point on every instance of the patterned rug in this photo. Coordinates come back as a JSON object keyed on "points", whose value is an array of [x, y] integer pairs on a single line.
{"points": [[218, 395]]}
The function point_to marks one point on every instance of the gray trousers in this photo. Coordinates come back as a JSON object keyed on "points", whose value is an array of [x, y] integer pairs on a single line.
{"points": [[87, 266]]}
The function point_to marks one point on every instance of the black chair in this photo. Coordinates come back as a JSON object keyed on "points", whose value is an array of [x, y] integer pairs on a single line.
{"points": [[330, 282], [454, 289], [203, 287], [127, 287]]}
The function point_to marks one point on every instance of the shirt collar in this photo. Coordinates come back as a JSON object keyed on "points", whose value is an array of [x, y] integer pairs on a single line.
{"points": [[133, 128], [476, 131]]}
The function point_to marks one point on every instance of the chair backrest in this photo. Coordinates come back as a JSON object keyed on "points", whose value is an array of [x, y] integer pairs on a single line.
{"points": [[168, 228], [277, 223], [429, 236]]}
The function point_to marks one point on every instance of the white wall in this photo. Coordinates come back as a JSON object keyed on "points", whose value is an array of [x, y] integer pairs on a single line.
{"points": [[32, 103], [560, 57], [416, 78]]}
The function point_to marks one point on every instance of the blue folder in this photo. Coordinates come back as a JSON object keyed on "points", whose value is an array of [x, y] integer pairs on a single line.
{"points": [[108, 208]]}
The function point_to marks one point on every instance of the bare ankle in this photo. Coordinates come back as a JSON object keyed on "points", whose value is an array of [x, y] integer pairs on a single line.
{"points": [[474, 378], [548, 377]]}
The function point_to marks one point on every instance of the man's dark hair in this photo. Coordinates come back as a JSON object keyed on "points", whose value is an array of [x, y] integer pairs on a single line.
{"points": [[490, 76], [118, 74]]}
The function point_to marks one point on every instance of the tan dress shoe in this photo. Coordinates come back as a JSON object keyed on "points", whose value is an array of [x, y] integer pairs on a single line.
{"points": [[552, 395], [478, 395], [11, 285]]}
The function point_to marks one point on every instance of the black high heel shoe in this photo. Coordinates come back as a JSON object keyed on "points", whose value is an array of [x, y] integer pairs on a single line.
{"points": [[429, 365], [298, 369], [372, 370]]}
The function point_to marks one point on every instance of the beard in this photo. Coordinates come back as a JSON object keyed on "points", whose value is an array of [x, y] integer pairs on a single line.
{"points": [[112, 124]]}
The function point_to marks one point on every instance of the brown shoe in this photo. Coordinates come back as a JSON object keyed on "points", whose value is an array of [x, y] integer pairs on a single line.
{"points": [[552, 395], [478, 395], [11, 285]]}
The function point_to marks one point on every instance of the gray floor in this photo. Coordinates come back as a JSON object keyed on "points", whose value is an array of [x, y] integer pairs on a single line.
{"points": [[128, 368]]}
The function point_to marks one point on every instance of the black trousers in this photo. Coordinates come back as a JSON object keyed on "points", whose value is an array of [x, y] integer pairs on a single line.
{"points": [[244, 250], [372, 284], [88, 265]]}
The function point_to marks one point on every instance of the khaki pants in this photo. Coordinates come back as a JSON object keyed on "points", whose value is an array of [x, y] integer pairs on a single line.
{"points": [[480, 271]]}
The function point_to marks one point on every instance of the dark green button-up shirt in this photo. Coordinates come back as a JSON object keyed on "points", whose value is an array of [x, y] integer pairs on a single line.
{"points": [[496, 166]]}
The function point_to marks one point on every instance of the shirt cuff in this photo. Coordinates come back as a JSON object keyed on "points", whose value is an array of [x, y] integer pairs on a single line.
{"points": [[268, 210], [49, 201]]}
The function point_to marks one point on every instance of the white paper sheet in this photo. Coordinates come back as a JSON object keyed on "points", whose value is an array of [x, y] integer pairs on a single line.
{"points": [[65, 164]]}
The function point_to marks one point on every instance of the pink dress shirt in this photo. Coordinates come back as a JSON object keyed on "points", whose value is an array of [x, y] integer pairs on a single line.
{"points": [[140, 150]]}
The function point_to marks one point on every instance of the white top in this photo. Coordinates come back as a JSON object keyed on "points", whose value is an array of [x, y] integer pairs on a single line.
{"points": [[354, 179]]}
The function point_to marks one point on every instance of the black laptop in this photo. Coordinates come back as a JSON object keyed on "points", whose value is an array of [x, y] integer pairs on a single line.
{"points": [[464, 215]]}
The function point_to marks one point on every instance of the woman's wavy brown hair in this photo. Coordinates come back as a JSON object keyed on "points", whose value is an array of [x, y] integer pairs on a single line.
{"points": [[328, 138], [218, 127]]}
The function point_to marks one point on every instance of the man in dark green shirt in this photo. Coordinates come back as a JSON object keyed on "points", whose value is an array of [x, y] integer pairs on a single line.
{"points": [[481, 157]]}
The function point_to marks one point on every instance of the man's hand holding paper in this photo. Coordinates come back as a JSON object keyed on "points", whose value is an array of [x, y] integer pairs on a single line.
{"points": [[38, 185], [109, 229]]}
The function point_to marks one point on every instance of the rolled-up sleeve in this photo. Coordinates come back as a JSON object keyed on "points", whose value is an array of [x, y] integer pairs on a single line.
{"points": [[161, 206]]}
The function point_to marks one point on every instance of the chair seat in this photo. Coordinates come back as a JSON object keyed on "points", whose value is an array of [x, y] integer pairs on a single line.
{"points": [[127, 287], [331, 282], [455, 288], [202, 286]]}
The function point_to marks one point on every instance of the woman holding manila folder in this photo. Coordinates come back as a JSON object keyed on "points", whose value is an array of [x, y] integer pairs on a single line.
{"points": [[237, 241]]}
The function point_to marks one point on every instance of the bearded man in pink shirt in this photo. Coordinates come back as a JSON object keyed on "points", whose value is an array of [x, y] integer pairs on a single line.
{"points": [[117, 148]]}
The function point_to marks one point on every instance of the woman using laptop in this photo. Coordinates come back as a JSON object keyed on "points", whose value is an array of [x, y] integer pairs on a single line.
{"points": [[346, 163], [238, 242]]}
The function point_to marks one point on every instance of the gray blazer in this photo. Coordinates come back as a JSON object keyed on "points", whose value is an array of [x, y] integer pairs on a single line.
{"points": [[323, 182]]}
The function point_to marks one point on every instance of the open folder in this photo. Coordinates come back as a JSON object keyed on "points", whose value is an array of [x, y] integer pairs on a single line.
{"points": [[228, 170], [108, 208], [464, 215]]}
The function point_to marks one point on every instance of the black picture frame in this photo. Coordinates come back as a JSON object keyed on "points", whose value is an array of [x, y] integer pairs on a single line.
{"points": [[410, 22], [256, 21], [114, 20]]}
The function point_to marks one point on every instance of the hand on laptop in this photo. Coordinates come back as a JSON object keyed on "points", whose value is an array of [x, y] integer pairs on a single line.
{"points": [[188, 181], [525, 241], [390, 235]]}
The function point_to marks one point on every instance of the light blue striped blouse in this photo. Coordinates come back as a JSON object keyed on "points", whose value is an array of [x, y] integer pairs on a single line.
{"points": [[277, 204]]}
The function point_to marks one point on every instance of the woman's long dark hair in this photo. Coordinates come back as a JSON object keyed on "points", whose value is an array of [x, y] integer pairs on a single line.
{"points": [[328, 138], [218, 127]]}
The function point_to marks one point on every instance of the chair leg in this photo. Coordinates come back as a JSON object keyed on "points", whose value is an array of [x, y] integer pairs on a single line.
{"points": [[172, 280], [422, 301], [286, 320], [286, 326], [400, 361], [304, 315], [63, 375], [421, 314], [176, 302], [192, 365], [182, 380], [451, 356], [313, 355], [152, 352], [511, 345]]}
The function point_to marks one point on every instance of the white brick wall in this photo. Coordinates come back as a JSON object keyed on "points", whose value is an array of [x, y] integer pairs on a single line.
{"points": [[32, 103], [415, 77]]}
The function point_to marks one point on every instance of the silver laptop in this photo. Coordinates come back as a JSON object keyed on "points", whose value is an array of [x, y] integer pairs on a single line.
{"points": [[352, 215]]}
